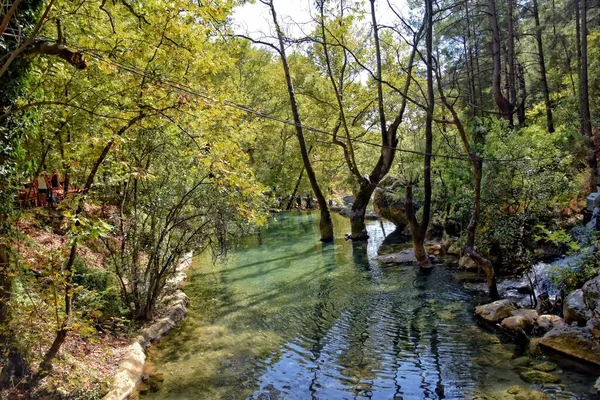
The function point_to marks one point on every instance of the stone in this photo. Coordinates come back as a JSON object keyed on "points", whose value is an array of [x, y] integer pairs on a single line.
{"points": [[390, 205], [521, 393], [517, 323], [434, 248], [526, 313], [548, 321], [575, 310], [544, 366], [574, 342], [406, 257], [402, 258], [539, 377], [467, 262], [591, 293], [593, 324], [496, 311], [520, 362]]}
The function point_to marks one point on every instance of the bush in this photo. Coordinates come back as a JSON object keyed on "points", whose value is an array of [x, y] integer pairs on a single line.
{"points": [[96, 294]]}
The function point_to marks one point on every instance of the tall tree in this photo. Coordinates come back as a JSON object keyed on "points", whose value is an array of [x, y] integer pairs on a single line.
{"points": [[388, 133], [542, 63], [326, 224]]}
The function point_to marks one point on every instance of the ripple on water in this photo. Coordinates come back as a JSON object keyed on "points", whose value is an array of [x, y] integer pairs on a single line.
{"points": [[288, 317]]}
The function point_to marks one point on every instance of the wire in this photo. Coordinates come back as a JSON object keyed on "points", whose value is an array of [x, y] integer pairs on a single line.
{"points": [[230, 103]]}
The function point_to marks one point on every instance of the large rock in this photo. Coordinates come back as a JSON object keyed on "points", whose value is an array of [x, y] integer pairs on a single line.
{"points": [[527, 313], [575, 342], [405, 257], [390, 205], [575, 309], [496, 311], [517, 323], [591, 293], [548, 321], [539, 377]]}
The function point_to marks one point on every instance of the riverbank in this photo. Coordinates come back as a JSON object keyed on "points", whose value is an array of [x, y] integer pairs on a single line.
{"points": [[98, 356]]}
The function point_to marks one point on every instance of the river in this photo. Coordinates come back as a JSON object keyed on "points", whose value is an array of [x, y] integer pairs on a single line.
{"points": [[287, 317]]}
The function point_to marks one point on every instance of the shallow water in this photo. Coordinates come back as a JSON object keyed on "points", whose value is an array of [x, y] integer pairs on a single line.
{"points": [[286, 317]]}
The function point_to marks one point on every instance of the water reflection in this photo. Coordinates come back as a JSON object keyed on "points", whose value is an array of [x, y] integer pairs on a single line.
{"points": [[287, 316]]}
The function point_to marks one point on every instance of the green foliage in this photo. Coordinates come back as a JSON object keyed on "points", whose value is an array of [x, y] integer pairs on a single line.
{"points": [[96, 295], [574, 275]]}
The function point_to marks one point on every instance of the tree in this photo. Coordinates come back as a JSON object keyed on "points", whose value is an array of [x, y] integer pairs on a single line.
{"points": [[326, 225], [388, 134]]}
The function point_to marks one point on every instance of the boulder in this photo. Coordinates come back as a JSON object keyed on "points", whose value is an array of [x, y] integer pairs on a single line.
{"points": [[406, 257], [517, 323], [574, 342], [467, 262], [593, 324], [548, 321], [527, 313], [539, 377], [390, 205], [591, 293], [575, 309], [496, 311], [545, 366], [434, 248]]}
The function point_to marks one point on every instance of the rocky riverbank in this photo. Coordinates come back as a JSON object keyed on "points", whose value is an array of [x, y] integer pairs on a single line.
{"points": [[130, 375]]}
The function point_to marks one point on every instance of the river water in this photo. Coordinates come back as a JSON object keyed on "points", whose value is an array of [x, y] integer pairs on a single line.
{"points": [[286, 317]]}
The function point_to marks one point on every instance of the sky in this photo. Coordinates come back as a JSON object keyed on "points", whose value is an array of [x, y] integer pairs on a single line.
{"points": [[294, 16]]}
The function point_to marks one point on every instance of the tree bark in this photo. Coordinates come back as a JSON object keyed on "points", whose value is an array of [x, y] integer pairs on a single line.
{"points": [[504, 105], [326, 225], [542, 62], [586, 121]]}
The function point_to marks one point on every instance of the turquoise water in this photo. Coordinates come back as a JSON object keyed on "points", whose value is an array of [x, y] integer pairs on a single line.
{"points": [[287, 317]]}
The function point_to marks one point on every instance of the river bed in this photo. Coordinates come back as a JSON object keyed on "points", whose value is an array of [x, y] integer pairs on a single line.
{"points": [[287, 317]]}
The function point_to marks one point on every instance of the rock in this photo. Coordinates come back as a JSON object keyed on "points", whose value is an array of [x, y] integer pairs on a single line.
{"points": [[520, 362], [521, 393], [591, 293], [496, 311], [575, 309], [467, 262], [540, 377], [402, 258], [517, 323], [390, 205], [593, 324], [434, 248], [544, 366], [406, 257], [526, 313], [574, 342], [548, 322]]}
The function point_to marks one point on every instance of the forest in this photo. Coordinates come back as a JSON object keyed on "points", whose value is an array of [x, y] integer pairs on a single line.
{"points": [[133, 132]]}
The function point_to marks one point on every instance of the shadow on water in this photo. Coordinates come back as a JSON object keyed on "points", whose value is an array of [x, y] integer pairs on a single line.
{"points": [[286, 316]]}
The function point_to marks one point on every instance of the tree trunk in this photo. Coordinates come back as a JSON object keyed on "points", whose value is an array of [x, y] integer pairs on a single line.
{"points": [[511, 58], [505, 107], [542, 62], [586, 120], [358, 211], [325, 224]]}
